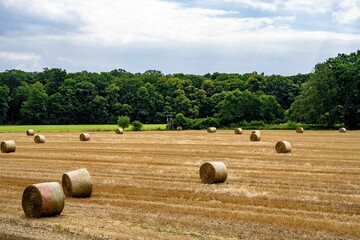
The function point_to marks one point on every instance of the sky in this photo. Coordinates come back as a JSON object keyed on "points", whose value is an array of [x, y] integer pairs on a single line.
{"points": [[283, 37]]}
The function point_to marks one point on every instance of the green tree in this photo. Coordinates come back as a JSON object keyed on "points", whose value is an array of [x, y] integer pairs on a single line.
{"points": [[4, 102], [123, 121], [34, 109], [136, 125]]}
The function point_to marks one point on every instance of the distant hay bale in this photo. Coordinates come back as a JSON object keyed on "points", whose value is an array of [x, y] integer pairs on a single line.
{"points": [[211, 130], [84, 137], [39, 139], [255, 136], [238, 131], [283, 147], [213, 172], [77, 183], [179, 128], [342, 130], [43, 200], [119, 131], [300, 130], [8, 146], [30, 132]]}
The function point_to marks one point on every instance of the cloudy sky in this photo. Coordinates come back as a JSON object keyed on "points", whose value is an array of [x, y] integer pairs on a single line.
{"points": [[200, 36]]}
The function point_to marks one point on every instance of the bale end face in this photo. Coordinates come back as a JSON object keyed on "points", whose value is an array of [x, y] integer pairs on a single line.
{"points": [[39, 139], [8, 146], [342, 130], [238, 131], [77, 183], [84, 137], [43, 200], [213, 172], [283, 147]]}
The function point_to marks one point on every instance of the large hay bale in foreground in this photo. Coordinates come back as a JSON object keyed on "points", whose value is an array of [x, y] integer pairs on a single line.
{"points": [[119, 131], [8, 146], [211, 130], [300, 130], [238, 131], [30, 132], [84, 137], [77, 183], [283, 147], [342, 130], [213, 172], [179, 128], [255, 136], [39, 139], [43, 200]]}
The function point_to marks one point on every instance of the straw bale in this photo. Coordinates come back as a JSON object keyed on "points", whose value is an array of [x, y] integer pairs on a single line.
{"points": [[300, 130], [43, 200], [8, 146], [77, 183], [39, 139], [211, 130], [342, 130], [283, 147], [255, 136], [84, 137], [179, 128], [238, 130], [119, 131], [213, 172], [30, 132]]}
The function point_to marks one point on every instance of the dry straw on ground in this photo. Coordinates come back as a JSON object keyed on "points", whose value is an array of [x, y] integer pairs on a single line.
{"points": [[342, 130], [43, 200], [84, 137], [213, 172], [77, 183], [300, 130], [179, 128], [8, 146], [30, 132], [255, 136], [211, 130], [238, 131], [283, 147], [119, 131], [39, 139]]}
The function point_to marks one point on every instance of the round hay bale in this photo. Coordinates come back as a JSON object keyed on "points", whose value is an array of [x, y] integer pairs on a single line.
{"points": [[342, 130], [77, 183], [39, 139], [213, 172], [300, 130], [8, 146], [119, 131], [43, 200], [238, 131], [211, 130], [283, 147], [179, 128], [255, 136], [256, 131], [84, 137], [30, 132]]}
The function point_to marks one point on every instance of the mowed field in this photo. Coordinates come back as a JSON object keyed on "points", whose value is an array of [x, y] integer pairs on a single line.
{"points": [[147, 186]]}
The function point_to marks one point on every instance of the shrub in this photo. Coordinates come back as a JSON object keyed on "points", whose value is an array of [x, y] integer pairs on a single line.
{"points": [[136, 125], [123, 122]]}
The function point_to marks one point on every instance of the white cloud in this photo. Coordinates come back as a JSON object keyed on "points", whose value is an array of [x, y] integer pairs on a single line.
{"points": [[16, 56], [258, 4], [348, 12]]}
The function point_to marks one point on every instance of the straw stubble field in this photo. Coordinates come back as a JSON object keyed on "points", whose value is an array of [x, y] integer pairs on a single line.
{"points": [[147, 186]]}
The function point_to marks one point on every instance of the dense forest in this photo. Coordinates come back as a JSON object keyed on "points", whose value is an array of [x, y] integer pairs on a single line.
{"points": [[327, 96]]}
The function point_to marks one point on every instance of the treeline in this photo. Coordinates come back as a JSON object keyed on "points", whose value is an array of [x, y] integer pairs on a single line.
{"points": [[54, 96]]}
